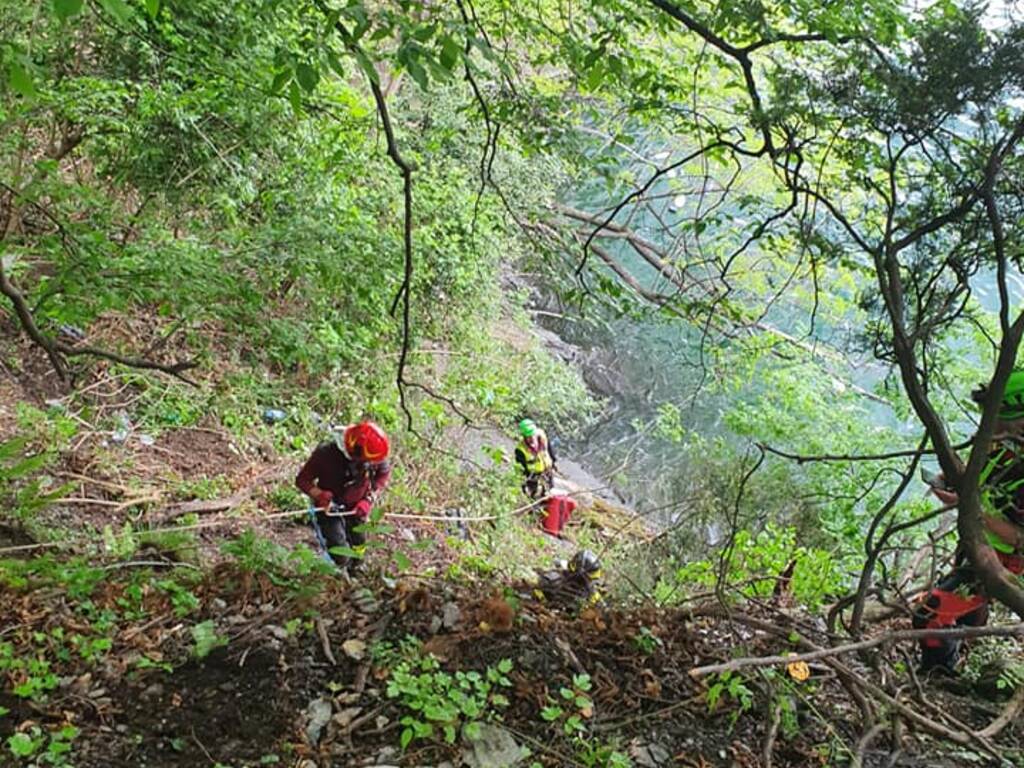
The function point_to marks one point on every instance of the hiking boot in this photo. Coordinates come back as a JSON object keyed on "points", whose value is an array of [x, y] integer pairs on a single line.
{"points": [[940, 662]]}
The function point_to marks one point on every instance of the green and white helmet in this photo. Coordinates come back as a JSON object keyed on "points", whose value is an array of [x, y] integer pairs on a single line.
{"points": [[527, 428]]}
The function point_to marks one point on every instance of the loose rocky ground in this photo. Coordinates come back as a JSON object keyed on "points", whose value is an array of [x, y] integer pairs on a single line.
{"points": [[304, 679]]}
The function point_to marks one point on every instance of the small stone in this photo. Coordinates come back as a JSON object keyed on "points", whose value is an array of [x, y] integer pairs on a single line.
{"points": [[364, 601], [380, 721], [407, 534], [649, 755], [319, 714], [346, 716], [387, 754], [354, 648], [121, 728], [279, 632], [450, 615], [435, 624], [154, 691], [491, 747], [218, 604]]}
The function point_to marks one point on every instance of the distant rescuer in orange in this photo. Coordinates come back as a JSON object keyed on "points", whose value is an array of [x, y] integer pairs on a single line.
{"points": [[958, 598], [342, 478]]}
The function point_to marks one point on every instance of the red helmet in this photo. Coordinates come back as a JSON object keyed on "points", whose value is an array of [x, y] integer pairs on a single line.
{"points": [[366, 441]]}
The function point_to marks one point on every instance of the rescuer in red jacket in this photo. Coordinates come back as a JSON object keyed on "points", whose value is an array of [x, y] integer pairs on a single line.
{"points": [[342, 478]]}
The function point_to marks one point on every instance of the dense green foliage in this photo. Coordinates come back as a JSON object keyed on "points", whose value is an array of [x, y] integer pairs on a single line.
{"points": [[259, 188], [341, 208]]}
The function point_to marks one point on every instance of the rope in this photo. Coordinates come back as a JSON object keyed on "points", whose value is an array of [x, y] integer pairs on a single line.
{"points": [[290, 513]]}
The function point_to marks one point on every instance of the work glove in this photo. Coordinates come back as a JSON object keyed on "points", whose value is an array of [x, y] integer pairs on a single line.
{"points": [[362, 509], [322, 499]]}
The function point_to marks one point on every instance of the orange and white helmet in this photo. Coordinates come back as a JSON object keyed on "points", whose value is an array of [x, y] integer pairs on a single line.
{"points": [[364, 441]]}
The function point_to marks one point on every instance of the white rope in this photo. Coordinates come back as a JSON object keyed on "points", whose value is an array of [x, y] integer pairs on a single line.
{"points": [[293, 513]]}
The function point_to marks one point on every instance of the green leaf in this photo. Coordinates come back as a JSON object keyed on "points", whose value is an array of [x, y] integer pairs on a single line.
{"points": [[418, 73], [65, 9], [450, 52], [206, 638], [119, 9], [335, 63], [505, 666], [280, 81], [20, 80], [307, 76], [21, 745], [402, 561], [345, 552], [368, 69], [551, 713], [153, 8], [406, 737], [295, 97]]}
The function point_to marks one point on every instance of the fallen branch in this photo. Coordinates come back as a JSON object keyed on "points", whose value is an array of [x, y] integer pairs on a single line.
{"points": [[865, 741], [1009, 714], [204, 506], [962, 737], [1010, 630], [173, 369]]}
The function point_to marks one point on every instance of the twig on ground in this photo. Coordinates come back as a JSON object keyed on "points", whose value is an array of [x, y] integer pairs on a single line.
{"points": [[866, 741], [773, 732], [150, 564], [118, 506], [200, 744], [115, 487], [325, 641], [1010, 630]]}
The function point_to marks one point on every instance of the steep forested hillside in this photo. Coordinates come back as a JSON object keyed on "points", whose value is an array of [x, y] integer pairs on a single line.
{"points": [[736, 286]]}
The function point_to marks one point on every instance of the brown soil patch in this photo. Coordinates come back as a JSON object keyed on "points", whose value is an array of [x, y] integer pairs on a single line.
{"points": [[199, 452]]}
